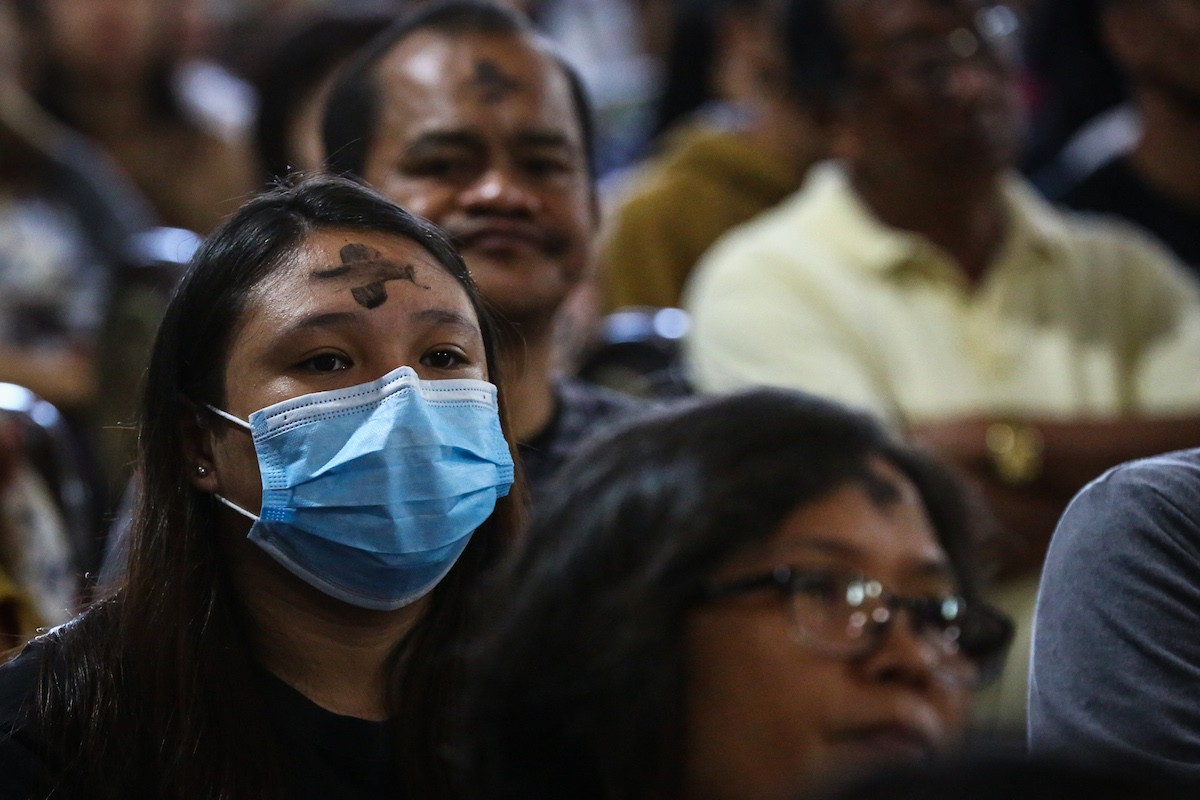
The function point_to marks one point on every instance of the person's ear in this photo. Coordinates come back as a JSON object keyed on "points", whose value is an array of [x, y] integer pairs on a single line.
{"points": [[197, 451]]}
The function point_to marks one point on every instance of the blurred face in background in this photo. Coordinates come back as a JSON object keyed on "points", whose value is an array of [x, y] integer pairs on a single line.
{"points": [[103, 42], [932, 94], [1158, 43]]}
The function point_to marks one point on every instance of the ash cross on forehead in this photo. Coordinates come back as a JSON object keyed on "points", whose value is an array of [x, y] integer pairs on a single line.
{"points": [[493, 83], [360, 261]]}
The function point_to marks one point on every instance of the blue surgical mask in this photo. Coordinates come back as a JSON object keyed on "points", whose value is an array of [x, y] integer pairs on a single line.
{"points": [[371, 493]]}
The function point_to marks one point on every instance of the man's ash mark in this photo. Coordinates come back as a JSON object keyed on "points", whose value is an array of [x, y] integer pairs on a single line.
{"points": [[493, 83]]}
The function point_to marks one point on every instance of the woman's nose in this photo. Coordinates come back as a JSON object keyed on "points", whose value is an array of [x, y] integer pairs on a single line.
{"points": [[903, 653]]}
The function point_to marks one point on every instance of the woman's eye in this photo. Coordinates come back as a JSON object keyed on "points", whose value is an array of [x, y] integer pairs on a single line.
{"points": [[326, 362], [443, 358]]}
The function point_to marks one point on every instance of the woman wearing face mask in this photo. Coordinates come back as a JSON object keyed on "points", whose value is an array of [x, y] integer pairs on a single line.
{"points": [[324, 478], [742, 598]]}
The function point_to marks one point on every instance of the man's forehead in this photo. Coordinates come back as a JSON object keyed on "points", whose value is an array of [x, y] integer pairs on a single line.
{"points": [[471, 67], [444, 87]]}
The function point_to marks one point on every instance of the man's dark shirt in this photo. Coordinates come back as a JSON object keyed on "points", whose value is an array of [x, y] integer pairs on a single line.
{"points": [[581, 411], [1116, 188]]}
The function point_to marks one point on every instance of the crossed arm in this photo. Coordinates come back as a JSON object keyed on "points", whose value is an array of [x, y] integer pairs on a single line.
{"points": [[1073, 453]]}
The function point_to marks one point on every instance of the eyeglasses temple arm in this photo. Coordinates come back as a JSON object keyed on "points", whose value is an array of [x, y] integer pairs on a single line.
{"points": [[779, 578]]}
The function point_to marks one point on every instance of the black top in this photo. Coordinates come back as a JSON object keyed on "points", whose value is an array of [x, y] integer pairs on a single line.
{"points": [[20, 766], [326, 756], [330, 756], [581, 411], [1116, 188]]}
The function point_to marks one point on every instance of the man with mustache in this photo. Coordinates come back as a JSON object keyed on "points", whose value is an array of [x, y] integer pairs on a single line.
{"points": [[463, 115], [920, 278]]}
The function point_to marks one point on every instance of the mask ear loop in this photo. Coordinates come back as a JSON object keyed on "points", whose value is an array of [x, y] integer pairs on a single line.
{"points": [[226, 415], [243, 424], [237, 508]]}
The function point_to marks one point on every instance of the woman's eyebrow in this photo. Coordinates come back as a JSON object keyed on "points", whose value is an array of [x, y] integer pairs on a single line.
{"points": [[445, 316], [920, 567], [335, 319], [818, 543], [330, 319]]}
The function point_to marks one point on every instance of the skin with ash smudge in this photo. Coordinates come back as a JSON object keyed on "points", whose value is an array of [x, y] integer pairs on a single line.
{"points": [[508, 179], [492, 82], [359, 260]]}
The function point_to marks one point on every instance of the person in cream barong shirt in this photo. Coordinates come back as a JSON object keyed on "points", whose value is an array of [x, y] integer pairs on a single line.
{"points": [[1076, 317]]}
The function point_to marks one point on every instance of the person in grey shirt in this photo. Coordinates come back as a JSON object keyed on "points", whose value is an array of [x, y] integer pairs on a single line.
{"points": [[1115, 671]]}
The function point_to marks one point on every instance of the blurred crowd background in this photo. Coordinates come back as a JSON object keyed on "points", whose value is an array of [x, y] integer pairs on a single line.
{"points": [[129, 128]]}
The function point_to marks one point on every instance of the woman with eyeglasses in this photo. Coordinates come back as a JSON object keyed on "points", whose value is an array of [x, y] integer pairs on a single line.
{"points": [[745, 597]]}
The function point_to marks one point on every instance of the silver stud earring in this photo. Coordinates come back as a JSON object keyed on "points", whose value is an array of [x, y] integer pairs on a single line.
{"points": [[201, 470]]}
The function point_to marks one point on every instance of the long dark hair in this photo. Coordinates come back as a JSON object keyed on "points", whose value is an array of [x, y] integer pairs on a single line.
{"points": [[576, 685], [152, 687]]}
